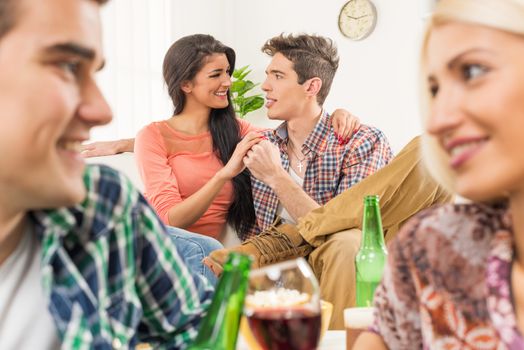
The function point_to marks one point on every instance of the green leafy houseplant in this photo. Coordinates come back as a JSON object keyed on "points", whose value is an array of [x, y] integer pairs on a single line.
{"points": [[239, 87]]}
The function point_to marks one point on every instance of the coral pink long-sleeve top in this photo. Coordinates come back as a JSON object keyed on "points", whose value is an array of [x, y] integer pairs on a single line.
{"points": [[174, 165]]}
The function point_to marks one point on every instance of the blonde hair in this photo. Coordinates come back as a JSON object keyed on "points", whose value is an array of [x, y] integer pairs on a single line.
{"points": [[505, 15]]}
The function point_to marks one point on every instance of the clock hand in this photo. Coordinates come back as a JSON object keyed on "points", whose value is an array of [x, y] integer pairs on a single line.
{"points": [[357, 17]]}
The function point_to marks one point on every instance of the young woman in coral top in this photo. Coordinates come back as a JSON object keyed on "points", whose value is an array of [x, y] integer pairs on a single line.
{"points": [[191, 163]]}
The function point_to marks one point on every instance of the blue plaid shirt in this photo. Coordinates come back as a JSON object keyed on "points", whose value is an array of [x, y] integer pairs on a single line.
{"points": [[332, 168], [111, 274]]}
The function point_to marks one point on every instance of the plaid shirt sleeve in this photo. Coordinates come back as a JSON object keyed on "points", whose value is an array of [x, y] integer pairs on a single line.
{"points": [[112, 274], [369, 151], [172, 299]]}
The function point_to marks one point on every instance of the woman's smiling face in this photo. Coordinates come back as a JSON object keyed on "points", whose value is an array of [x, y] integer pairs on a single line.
{"points": [[476, 80]]}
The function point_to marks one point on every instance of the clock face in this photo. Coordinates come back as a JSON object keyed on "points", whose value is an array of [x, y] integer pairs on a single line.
{"points": [[357, 19]]}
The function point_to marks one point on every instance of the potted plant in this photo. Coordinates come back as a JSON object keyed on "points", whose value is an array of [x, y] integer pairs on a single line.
{"points": [[239, 88]]}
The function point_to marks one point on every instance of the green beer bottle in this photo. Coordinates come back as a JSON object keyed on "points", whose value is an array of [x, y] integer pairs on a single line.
{"points": [[372, 254], [219, 328]]}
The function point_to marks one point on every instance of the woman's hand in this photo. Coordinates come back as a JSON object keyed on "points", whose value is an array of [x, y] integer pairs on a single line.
{"points": [[344, 124], [235, 165]]}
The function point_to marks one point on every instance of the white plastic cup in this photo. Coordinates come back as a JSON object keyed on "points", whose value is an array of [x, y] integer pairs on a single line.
{"points": [[356, 320]]}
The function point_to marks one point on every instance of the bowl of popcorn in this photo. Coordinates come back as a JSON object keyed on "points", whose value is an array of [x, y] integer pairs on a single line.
{"points": [[290, 300]]}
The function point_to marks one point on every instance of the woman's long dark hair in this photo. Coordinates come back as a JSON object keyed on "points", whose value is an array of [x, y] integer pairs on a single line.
{"points": [[182, 62]]}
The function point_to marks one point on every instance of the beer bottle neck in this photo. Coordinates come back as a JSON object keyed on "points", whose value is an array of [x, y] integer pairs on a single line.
{"points": [[372, 233]]}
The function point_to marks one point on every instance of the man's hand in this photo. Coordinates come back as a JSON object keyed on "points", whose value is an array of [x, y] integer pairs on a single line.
{"points": [[263, 160], [216, 266], [344, 124], [217, 258], [107, 148], [235, 165]]}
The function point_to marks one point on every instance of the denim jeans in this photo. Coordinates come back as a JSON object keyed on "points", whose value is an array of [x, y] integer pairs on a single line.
{"points": [[193, 247]]}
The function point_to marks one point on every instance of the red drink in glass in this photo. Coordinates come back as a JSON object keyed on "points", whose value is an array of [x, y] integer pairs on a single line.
{"points": [[285, 328]]}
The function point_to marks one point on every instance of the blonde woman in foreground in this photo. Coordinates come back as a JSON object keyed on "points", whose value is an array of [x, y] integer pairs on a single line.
{"points": [[454, 273]]}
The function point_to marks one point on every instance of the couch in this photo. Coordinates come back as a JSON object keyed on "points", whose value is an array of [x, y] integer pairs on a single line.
{"points": [[125, 162]]}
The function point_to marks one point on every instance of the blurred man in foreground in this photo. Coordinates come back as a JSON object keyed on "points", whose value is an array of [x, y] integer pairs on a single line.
{"points": [[84, 260]]}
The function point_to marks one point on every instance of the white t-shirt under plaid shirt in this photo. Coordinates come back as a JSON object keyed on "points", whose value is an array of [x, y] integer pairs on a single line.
{"points": [[25, 322]]}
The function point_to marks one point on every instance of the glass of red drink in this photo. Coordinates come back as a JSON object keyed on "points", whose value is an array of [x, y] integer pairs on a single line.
{"points": [[283, 306]]}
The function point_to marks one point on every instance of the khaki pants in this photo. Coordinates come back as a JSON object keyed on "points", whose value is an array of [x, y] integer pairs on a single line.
{"points": [[334, 229], [334, 265]]}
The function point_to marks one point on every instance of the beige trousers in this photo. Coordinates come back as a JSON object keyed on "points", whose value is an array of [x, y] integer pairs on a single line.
{"points": [[334, 229]]}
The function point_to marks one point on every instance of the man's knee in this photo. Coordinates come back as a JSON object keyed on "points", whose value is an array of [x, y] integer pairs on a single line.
{"points": [[337, 253]]}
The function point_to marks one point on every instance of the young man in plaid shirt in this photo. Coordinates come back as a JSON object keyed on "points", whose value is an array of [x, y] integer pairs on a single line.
{"points": [[308, 188], [84, 261], [304, 163]]}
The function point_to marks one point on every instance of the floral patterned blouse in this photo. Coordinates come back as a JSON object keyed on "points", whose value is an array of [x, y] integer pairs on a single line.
{"points": [[447, 283]]}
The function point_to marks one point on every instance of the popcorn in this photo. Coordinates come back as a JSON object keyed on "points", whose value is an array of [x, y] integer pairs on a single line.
{"points": [[281, 297]]}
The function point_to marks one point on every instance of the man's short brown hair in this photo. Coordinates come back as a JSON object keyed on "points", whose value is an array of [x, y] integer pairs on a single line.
{"points": [[312, 56], [9, 12]]}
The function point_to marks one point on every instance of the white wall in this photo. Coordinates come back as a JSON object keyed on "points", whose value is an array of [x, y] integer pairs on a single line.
{"points": [[136, 37], [376, 79], [377, 76]]}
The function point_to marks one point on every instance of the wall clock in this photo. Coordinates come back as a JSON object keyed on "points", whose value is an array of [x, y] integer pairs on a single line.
{"points": [[357, 19]]}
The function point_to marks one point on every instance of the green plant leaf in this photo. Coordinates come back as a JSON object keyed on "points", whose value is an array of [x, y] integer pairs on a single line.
{"points": [[237, 86], [239, 71], [239, 100], [252, 103], [244, 74], [246, 87]]}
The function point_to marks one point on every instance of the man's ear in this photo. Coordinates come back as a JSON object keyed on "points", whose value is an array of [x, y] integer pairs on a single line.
{"points": [[187, 86], [313, 86]]}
